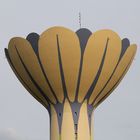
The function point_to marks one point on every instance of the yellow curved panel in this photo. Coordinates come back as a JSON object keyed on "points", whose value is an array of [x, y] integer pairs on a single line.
{"points": [[109, 63], [19, 69], [83, 134], [43, 102], [92, 59], [54, 125], [30, 60], [50, 55], [121, 70], [96, 104], [67, 132], [70, 54]]}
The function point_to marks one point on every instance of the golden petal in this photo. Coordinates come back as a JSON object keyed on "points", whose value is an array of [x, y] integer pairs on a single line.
{"points": [[29, 88], [109, 61], [96, 55], [59, 52], [119, 73], [26, 62]]}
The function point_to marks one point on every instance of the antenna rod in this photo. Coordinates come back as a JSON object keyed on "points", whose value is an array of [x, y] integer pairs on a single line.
{"points": [[80, 19]]}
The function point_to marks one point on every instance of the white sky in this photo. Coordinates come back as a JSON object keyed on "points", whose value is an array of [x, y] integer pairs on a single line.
{"points": [[21, 116]]}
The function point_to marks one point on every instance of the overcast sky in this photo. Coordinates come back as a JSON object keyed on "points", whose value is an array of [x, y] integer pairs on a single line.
{"points": [[21, 116]]}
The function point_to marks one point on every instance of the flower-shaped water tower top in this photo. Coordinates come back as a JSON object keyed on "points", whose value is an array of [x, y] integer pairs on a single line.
{"points": [[70, 74]]}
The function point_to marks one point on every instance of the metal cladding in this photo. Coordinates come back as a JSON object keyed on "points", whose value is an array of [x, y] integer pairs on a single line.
{"points": [[70, 74]]}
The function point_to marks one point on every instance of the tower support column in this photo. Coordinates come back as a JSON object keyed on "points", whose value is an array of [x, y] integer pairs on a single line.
{"points": [[71, 121]]}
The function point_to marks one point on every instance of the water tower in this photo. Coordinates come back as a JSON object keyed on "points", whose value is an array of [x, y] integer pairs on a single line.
{"points": [[70, 74]]}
